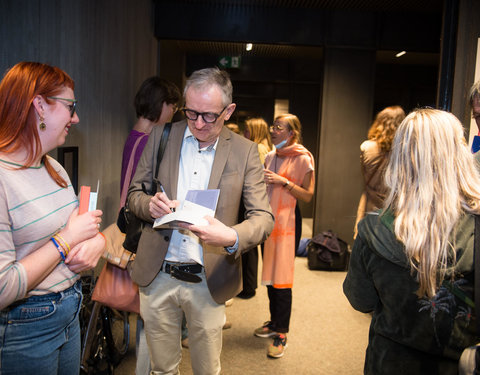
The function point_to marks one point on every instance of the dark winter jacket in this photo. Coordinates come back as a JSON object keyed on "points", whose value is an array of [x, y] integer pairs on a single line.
{"points": [[410, 335]]}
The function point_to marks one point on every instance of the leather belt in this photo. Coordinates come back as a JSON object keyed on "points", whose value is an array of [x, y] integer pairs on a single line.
{"points": [[183, 271]]}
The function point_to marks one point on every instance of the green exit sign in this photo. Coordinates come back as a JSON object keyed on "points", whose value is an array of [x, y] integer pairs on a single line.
{"points": [[229, 62]]}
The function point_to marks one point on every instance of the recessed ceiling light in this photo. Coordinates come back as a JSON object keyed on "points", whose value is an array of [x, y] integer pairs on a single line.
{"points": [[249, 46], [400, 53]]}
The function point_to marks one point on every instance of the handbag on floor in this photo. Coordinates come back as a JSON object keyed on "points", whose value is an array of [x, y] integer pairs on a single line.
{"points": [[115, 288], [327, 252], [469, 363], [128, 223]]}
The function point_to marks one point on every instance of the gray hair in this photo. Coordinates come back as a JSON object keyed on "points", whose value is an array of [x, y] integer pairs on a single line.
{"points": [[474, 93], [205, 78]]}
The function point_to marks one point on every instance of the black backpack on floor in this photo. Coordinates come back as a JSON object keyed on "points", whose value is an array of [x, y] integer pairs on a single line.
{"points": [[327, 252]]}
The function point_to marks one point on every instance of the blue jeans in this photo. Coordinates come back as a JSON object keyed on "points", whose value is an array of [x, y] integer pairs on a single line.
{"points": [[42, 335]]}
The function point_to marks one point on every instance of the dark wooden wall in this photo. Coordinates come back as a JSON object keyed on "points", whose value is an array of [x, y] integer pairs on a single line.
{"points": [[108, 48]]}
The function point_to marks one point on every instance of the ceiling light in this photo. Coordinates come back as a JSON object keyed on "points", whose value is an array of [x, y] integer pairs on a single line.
{"points": [[249, 46], [400, 53]]}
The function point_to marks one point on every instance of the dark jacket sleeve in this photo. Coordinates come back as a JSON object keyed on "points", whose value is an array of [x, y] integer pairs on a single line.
{"points": [[358, 286]]}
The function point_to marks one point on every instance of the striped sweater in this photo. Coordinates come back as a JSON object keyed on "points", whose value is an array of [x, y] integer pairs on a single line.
{"points": [[32, 208]]}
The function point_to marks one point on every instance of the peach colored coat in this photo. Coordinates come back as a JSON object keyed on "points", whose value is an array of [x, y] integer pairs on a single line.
{"points": [[292, 162]]}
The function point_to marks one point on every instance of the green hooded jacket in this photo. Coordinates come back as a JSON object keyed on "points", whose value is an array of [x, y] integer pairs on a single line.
{"points": [[411, 335]]}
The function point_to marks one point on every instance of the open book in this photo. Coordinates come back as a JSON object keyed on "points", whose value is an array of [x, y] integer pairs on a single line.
{"points": [[197, 205]]}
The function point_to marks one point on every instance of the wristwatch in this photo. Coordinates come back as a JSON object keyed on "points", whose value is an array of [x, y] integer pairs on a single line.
{"points": [[286, 183]]}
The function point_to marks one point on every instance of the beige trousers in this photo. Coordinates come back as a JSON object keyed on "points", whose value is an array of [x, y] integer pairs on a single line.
{"points": [[161, 305]]}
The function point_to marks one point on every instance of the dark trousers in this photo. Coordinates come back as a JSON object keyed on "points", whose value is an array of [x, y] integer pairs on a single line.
{"points": [[250, 271], [280, 308], [298, 227]]}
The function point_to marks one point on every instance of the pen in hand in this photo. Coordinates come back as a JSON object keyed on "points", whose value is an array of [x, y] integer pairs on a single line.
{"points": [[163, 191]]}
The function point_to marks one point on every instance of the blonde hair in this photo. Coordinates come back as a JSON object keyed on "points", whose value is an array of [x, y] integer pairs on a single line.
{"points": [[258, 129], [294, 125], [432, 178], [383, 128], [474, 93]]}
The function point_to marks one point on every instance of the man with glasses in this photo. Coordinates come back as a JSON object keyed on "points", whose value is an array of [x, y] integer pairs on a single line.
{"points": [[197, 269], [474, 99]]}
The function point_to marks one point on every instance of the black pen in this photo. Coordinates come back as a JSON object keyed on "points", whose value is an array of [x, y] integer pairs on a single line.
{"points": [[163, 191]]}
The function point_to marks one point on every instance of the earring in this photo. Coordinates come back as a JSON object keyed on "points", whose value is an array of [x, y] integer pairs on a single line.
{"points": [[42, 125]]}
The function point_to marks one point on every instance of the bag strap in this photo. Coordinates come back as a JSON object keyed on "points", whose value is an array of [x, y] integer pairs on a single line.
{"points": [[161, 151], [476, 255], [128, 173], [161, 148]]}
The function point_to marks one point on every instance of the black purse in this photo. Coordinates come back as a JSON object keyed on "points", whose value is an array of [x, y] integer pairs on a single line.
{"points": [[127, 221]]}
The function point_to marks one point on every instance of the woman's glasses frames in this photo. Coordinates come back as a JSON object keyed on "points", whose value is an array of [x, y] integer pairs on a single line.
{"points": [[71, 107], [276, 127]]}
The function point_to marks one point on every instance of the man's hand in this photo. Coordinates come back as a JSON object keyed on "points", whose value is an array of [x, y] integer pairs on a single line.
{"points": [[215, 234], [160, 205]]}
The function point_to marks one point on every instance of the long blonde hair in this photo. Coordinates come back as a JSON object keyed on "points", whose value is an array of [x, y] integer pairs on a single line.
{"points": [[384, 126], [258, 129], [432, 178]]}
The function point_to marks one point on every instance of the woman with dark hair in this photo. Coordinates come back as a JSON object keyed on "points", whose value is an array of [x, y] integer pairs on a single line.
{"points": [[44, 243], [289, 176], [412, 263], [155, 103], [374, 154]]}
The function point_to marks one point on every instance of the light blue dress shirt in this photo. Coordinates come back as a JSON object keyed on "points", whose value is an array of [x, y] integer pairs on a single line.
{"points": [[194, 173]]}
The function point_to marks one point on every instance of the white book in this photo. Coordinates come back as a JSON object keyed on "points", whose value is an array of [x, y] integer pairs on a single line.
{"points": [[197, 205]]}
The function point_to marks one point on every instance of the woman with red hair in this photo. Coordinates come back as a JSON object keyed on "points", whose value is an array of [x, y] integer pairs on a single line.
{"points": [[44, 242], [374, 154]]}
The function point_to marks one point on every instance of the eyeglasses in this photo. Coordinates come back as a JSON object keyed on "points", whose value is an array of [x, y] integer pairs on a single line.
{"points": [[276, 127], [71, 107], [208, 117]]}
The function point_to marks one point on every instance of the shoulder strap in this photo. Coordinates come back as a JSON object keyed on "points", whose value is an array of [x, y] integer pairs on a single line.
{"points": [[161, 150], [128, 173]]}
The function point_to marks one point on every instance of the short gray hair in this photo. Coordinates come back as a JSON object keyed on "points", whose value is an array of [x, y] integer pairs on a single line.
{"points": [[474, 93], [207, 77]]}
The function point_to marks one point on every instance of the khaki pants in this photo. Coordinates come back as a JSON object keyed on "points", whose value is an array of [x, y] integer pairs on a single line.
{"points": [[161, 305]]}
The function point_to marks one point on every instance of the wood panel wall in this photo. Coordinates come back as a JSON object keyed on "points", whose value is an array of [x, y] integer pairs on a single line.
{"points": [[347, 103], [108, 48], [466, 52]]}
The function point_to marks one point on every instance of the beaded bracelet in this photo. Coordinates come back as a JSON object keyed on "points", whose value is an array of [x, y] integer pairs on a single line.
{"points": [[63, 243], [58, 248]]}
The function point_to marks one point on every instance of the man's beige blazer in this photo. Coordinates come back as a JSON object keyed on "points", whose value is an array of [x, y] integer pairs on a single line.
{"points": [[237, 172]]}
